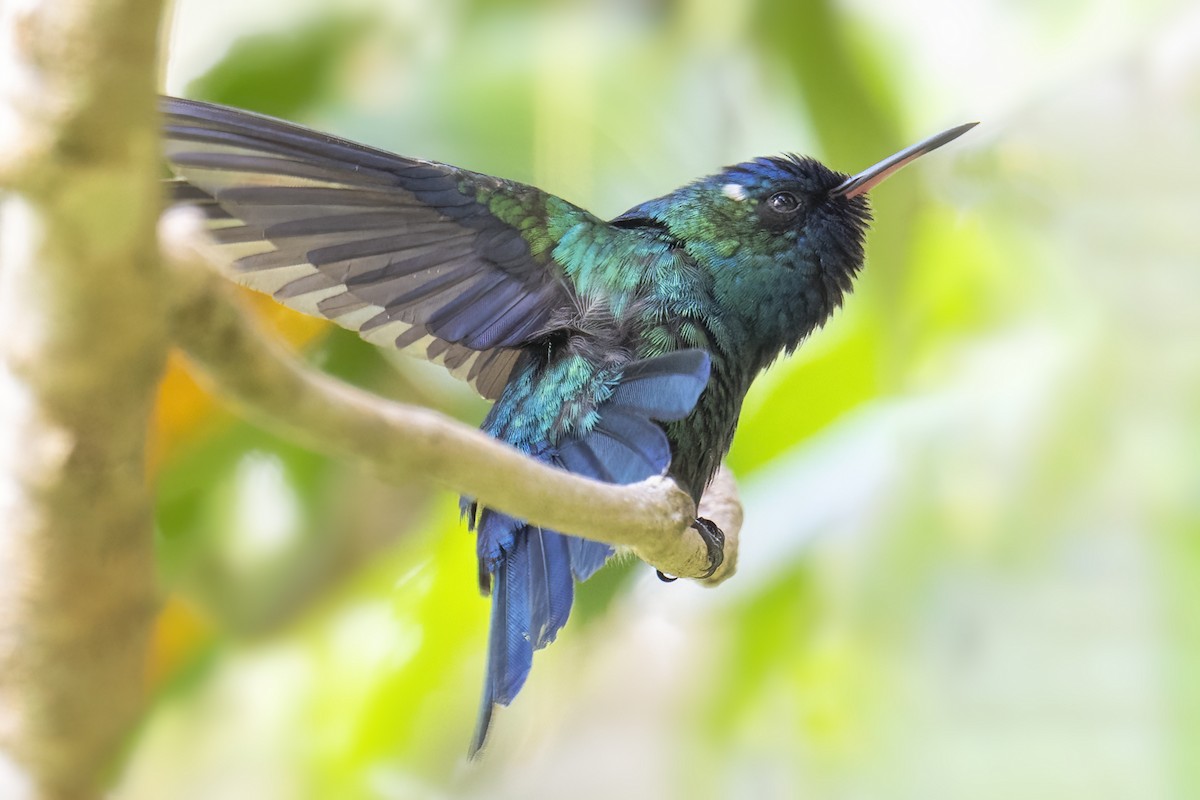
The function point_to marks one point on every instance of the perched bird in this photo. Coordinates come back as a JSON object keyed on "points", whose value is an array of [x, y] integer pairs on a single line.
{"points": [[614, 349]]}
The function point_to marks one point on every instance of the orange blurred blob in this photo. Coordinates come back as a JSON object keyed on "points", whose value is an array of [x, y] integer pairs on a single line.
{"points": [[185, 408], [179, 633]]}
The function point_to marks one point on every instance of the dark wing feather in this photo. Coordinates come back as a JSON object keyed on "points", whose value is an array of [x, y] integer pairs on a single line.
{"points": [[450, 264]]}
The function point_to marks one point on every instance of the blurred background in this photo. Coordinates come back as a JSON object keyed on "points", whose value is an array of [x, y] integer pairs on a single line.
{"points": [[970, 566]]}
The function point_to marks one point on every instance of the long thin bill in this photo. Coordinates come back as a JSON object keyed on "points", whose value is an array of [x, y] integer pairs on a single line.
{"points": [[871, 177]]}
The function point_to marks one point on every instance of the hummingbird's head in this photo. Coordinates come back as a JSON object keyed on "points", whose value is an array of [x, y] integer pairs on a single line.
{"points": [[781, 237], [779, 246], [783, 214]]}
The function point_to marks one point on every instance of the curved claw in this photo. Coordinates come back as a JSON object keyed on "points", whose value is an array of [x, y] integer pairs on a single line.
{"points": [[714, 541]]}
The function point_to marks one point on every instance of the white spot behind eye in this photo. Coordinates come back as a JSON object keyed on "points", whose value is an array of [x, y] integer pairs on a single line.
{"points": [[734, 191]]}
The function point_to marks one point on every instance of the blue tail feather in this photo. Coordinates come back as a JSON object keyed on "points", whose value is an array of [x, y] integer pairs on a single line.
{"points": [[665, 388], [550, 584], [534, 569], [509, 657], [532, 594], [587, 556]]}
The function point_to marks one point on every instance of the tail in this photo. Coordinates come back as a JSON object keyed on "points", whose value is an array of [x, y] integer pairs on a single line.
{"points": [[532, 571], [533, 588]]}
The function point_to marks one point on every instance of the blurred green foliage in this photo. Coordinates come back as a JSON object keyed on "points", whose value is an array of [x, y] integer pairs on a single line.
{"points": [[299, 67], [970, 560]]}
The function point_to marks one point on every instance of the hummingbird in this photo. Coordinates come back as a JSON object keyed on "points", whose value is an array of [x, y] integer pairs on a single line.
{"points": [[615, 349]]}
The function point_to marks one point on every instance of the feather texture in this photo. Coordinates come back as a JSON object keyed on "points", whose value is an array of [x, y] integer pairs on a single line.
{"points": [[407, 252], [533, 569]]}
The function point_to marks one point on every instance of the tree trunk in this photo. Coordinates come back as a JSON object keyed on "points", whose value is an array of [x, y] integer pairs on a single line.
{"points": [[82, 343]]}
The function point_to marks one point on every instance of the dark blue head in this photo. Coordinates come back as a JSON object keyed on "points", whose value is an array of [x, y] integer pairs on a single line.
{"points": [[791, 221], [779, 245], [781, 238]]}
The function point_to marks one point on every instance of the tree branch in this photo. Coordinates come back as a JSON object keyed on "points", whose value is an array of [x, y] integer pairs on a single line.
{"points": [[84, 332], [406, 443]]}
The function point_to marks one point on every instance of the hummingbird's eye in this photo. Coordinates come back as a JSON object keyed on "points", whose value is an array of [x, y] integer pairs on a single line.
{"points": [[783, 202]]}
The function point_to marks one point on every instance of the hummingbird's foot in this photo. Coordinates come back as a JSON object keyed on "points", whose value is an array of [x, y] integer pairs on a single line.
{"points": [[714, 540]]}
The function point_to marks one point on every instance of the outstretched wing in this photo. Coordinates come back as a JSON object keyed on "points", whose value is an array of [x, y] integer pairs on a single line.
{"points": [[451, 264]]}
